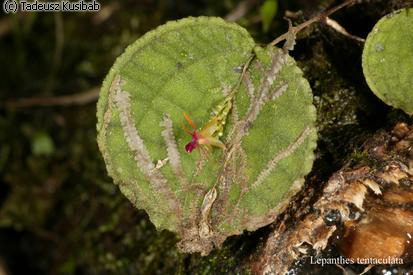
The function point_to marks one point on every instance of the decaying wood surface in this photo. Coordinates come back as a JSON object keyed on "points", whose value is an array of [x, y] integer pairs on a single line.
{"points": [[365, 211]]}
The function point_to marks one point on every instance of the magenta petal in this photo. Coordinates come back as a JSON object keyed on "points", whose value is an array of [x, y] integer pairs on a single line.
{"points": [[190, 146], [193, 143]]}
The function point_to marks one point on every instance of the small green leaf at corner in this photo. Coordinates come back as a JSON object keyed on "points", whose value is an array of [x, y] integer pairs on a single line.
{"points": [[268, 11], [388, 59]]}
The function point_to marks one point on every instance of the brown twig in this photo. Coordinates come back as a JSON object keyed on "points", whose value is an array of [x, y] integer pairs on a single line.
{"points": [[319, 17], [75, 99], [336, 26], [240, 10]]}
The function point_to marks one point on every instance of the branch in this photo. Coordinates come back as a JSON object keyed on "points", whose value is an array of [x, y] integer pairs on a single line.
{"points": [[75, 99], [321, 16], [336, 26], [240, 10]]}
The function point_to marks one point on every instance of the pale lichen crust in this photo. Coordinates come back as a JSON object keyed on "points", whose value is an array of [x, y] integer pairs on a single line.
{"points": [[191, 66], [388, 59]]}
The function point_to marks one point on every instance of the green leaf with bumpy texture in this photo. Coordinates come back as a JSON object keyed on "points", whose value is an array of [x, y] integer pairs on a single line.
{"points": [[194, 65], [388, 59]]}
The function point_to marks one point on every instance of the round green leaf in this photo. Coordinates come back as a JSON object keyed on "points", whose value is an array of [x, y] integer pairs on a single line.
{"points": [[388, 59], [194, 65]]}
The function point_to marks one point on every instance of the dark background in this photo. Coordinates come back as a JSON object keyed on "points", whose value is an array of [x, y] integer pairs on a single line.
{"points": [[59, 211]]}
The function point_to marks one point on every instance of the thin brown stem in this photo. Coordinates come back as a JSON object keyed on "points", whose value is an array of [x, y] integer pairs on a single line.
{"points": [[75, 99], [317, 18], [240, 10]]}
